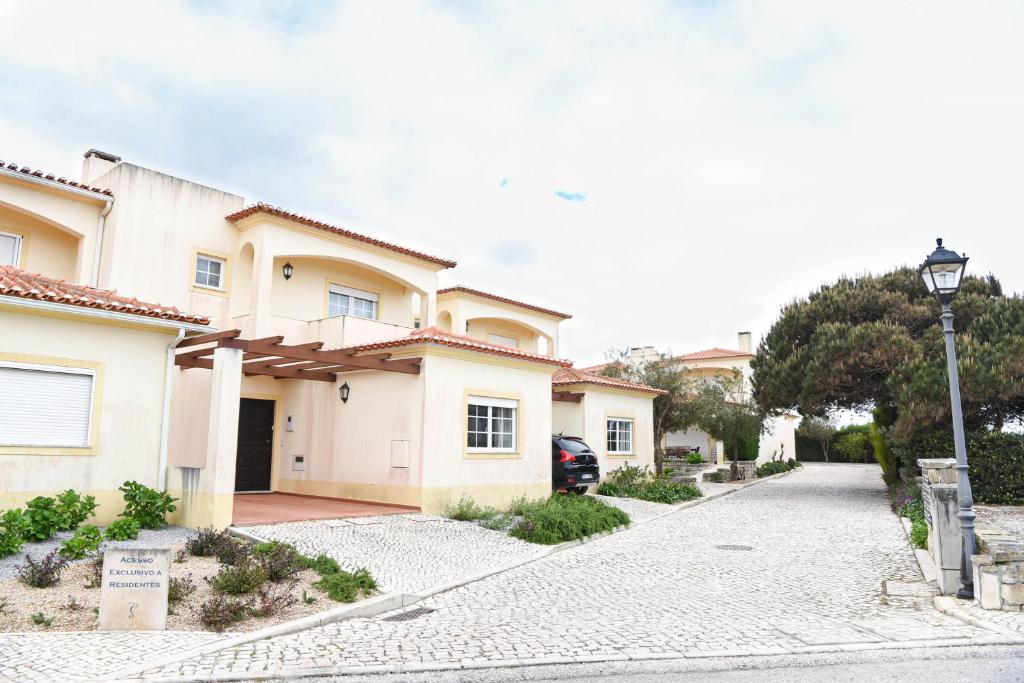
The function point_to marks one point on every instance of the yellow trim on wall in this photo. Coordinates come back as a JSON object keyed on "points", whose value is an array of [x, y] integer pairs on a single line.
{"points": [[97, 403], [224, 291], [328, 281], [620, 415], [275, 444], [467, 454]]}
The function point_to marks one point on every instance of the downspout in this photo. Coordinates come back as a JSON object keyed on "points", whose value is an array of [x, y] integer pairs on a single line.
{"points": [[95, 280], [165, 427]]}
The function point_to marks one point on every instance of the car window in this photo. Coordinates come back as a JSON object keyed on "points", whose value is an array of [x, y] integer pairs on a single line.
{"points": [[573, 446]]}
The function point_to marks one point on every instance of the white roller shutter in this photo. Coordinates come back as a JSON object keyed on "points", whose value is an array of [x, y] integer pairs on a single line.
{"points": [[45, 406]]}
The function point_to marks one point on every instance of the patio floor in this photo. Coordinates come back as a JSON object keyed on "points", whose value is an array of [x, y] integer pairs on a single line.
{"points": [[270, 508]]}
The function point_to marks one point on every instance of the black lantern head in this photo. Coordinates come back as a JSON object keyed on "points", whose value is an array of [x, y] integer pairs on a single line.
{"points": [[288, 270], [343, 392], [942, 272]]}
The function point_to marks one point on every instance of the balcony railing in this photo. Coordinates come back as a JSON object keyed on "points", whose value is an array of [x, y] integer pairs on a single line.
{"points": [[339, 331]]}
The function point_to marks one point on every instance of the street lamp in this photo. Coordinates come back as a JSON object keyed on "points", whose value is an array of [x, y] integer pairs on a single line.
{"points": [[942, 272]]}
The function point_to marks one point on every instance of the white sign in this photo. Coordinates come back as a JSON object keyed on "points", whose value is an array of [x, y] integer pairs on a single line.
{"points": [[134, 591]]}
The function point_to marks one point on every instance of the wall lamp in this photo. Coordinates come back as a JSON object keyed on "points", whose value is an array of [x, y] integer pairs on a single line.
{"points": [[343, 392], [288, 270]]}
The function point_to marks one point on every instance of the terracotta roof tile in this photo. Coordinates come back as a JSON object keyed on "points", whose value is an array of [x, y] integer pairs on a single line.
{"points": [[567, 376], [57, 179], [320, 225], [18, 283], [713, 353], [504, 300], [434, 335]]}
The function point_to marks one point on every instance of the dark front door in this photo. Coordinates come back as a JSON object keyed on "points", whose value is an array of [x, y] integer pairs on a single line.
{"points": [[255, 444]]}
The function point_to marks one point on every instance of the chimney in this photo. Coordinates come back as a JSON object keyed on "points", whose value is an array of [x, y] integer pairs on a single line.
{"points": [[96, 164], [640, 354], [744, 341]]}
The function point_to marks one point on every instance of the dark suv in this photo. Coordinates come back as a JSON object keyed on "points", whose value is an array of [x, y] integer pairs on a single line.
{"points": [[573, 464]]}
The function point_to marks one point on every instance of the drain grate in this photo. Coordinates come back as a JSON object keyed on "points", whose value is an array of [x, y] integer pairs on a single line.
{"points": [[409, 615], [734, 547]]}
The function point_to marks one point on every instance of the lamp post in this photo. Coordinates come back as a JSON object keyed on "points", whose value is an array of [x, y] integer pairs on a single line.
{"points": [[942, 273]]}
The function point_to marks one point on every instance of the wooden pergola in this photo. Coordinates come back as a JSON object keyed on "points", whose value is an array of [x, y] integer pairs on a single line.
{"points": [[270, 357]]}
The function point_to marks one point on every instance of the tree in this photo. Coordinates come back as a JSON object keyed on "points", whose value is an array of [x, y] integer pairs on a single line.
{"points": [[854, 446], [673, 411], [818, 429], [875, 342], [724, 411]]}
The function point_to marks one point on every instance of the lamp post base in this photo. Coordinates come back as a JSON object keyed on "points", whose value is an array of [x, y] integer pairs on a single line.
{"points": [[966, 593]]}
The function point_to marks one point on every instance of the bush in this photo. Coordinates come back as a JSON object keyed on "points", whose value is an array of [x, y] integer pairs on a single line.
{"points": [[919, 534], [86, 540], [206, 542], [233, 552], [321, 564], [565, 518], [13, 527], [272, 599], [466, 510], [147, 506], [638, 482], [73, 509], [44, 573], [694, 458], [123, 529], [773, 467], [279, 561], [179, 587], [44, 519], [996, 461], [95, 572], [342, 586], [236, 580], [220, 611]]}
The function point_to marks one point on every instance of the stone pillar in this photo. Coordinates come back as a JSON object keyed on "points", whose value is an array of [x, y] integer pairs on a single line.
{"points": [[945, 543]]}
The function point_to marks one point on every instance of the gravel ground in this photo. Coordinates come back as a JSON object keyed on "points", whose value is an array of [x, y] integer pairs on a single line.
{"points": [[637, 509], [166, 537], [405, 553]]}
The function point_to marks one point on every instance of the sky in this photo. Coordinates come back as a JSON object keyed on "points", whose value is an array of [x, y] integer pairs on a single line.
{"points": [[668, 172]]}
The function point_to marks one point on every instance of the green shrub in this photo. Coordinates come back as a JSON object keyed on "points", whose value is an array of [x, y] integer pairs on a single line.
{"points": [[919, 533], [123, 529], [638, 482], [321, 564], [234, 552], [73, 509], [499, 522], [43, 573], [271, 599], [14, 525], [180, 587], [147, 506], [772, 467], [694, 458], [342, 586], [606, 488], [236, 580], [86, 540], [206, 542], [466, 510], [565, 518], [40, 619], [793, 463], [220, 611], [44, 519], [279, 561]]}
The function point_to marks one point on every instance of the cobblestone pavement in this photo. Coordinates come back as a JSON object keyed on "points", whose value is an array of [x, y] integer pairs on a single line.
{"points": [[405, 553], [794, 564], [638, 510], [81, 656], [1007, 517]]}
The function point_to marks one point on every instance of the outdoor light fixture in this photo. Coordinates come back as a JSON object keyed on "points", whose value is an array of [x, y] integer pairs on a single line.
{"points": [[343, 392], [942, 273], [288, 270]]}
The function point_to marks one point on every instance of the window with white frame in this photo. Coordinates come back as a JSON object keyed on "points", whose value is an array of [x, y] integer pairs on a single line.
{"points": [[620, 436], [45, 406], [491, 424], [209, 271], [354, 302], [502, 340], [10, 248]]}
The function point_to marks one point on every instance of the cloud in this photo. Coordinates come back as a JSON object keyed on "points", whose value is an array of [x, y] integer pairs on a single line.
{"points": [[570, 196], [743, 152]]}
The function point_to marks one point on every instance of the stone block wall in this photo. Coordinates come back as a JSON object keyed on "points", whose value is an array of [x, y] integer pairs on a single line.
{"points": [[999, 570]]}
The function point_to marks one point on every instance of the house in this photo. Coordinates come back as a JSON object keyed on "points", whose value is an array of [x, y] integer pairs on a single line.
{"points": [[314, 360]]}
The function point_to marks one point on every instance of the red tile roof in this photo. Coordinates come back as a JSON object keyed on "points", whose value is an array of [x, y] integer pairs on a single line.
{"points": [[434, 335], [57, 179], [713, 353], [495, 297], [567, 376], [320, 225], [18, 283]]}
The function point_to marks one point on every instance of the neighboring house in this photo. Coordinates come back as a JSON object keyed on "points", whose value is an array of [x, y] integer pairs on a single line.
{"points": [[315, 361]]}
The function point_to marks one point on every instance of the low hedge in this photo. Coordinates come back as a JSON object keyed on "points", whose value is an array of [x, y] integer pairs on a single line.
{"points": [[564, 518], [996, 461]]}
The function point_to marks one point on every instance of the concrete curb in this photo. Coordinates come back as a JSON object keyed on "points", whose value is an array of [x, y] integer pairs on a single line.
{"points": [[364, 608]]}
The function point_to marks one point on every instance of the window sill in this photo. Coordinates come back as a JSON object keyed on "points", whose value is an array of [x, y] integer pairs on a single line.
{"points": [[621, 455], [48, 450], [212, 291], [491, 455]]}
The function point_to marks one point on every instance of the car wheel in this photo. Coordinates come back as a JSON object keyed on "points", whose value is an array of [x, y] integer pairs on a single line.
{"points": [[578, 490]]}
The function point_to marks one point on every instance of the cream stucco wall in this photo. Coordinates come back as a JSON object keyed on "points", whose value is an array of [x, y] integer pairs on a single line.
{"points": [[596, 407], [482, 314], [59, 227], [566, 418], [131, 364]]}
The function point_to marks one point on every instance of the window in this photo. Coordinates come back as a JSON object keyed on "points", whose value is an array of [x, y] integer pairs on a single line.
{"points": [[10, 246], [502, 340], [209, 272], [491, 425], [354, 302], [620, 436], [45, 406]]}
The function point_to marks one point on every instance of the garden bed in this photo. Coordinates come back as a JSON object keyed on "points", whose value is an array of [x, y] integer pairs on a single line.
{"points": [[640, 483], [547, 521]]}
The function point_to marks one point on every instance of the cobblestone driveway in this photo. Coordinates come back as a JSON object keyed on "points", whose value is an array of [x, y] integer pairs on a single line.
{"points": [[795, 564]]}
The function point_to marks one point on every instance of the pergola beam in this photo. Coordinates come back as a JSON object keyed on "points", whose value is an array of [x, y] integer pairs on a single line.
{"points": [[566, 396], [207, 338]]}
